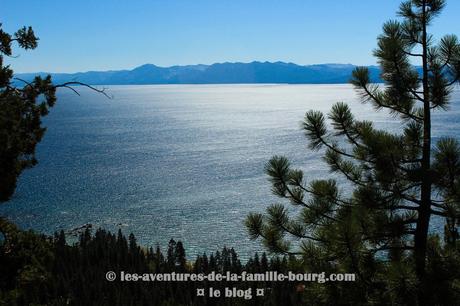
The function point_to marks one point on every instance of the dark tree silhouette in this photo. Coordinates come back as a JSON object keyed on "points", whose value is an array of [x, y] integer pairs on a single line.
{"points": [[21, 111], [399, 181], [40, 270]]}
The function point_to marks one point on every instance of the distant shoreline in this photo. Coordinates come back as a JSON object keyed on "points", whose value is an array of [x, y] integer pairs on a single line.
{"points": [[219, 73], [221, 84]]}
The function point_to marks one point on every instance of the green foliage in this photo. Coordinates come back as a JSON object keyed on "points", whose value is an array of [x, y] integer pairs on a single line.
{"points": [[377, 224], [27, 259], [21, 110], [39, 270]]}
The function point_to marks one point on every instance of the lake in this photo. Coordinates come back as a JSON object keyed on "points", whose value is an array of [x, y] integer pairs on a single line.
{"points": [[177, 161]]}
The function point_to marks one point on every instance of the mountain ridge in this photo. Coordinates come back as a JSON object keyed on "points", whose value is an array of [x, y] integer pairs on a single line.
{"points": [[255, 72]]}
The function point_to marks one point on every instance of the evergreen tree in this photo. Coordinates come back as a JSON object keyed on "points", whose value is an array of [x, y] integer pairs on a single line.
{"points": [[40, 270], [171, 255], [20, 114], [179, 253], [380, 229], [21, 111]]}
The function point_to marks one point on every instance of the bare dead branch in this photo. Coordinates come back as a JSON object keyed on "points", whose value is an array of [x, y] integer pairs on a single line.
{"points": [[69, 84], [24, 81]]}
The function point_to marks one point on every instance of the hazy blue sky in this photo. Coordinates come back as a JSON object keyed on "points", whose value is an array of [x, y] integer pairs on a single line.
{"points": [[120, 34]]}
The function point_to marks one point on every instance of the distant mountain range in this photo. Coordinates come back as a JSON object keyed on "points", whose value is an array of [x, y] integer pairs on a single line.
{"points": [[220, 73]]}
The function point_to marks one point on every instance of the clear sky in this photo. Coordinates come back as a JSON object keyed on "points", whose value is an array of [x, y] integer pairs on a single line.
{"points": [[83, 35]]}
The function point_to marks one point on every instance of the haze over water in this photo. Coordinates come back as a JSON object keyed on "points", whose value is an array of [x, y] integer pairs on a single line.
{"points": [[178, 161]]}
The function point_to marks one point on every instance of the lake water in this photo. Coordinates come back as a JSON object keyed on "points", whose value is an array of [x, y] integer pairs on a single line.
{"points": [[183, 162]]}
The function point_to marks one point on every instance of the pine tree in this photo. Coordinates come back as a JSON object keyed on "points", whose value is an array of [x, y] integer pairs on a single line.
{"points": [[379, 230], [20, 125], [180, 258], [21, 111], [171, 255]]}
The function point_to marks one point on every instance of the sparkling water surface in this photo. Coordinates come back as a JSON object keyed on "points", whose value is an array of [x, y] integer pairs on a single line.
{"points": [[178, 161]]}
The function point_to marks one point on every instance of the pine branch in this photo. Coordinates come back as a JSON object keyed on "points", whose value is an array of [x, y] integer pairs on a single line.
{"points": [[439, 213], [381, 104], [404, 207], [411, 90], [353, 180], [442, 205], [350, 138], [411, 199], [24, 81], [381, 236], [353, 259], [333, 148], [412, 54], [387, 248], [286, 229], [301, 202], [336, 201], [279, 250], [455, 80]]}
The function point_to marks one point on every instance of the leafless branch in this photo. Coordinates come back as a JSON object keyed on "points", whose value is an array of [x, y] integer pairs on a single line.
{"points": [[69, 84], [24, 81]]}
